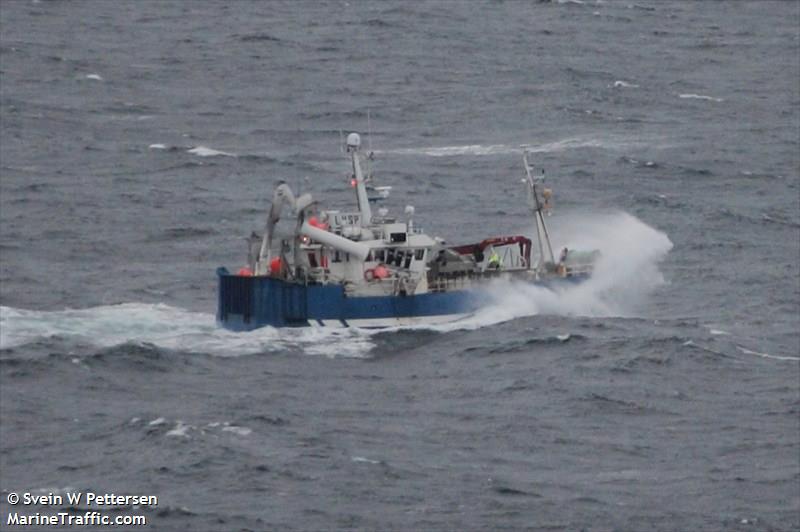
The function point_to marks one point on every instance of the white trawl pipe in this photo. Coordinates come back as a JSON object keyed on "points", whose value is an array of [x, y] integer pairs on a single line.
{"points": [[361, 191], [335, 241]]}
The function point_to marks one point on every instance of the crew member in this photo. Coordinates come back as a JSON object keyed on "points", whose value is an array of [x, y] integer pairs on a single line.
{"points": [[494, 260], [562, 266]]}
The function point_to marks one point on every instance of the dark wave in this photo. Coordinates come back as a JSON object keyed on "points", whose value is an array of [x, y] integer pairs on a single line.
{"points": [[258, 37], [513, 346], [258, 158], [182, 233]]}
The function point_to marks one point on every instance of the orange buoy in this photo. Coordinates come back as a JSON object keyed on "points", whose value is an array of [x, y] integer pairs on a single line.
{"points": [[380, 271], [275, 266]]}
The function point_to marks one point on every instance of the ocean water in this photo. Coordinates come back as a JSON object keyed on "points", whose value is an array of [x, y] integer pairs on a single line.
{"points": [[139, 146]]}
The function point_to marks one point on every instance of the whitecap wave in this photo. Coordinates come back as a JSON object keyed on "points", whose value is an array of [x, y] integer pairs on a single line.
{"points": [[188, 430], [607, 142], [203, 151], [180, 431], [700, 97], [364, 460], [239, 431], [765, 355]]}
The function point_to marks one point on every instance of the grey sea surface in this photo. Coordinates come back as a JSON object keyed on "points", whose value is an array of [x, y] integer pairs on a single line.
{"points": [[139, 146]]}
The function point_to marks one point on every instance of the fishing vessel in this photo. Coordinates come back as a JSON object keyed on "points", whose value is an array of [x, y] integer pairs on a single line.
{"points": [[367, 269]]}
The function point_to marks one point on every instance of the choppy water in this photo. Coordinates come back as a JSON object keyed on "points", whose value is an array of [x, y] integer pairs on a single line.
{"points": [[140, 142]]}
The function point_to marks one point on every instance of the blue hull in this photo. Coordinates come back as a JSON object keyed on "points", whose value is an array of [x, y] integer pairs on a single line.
{"points": [[247, 303]]}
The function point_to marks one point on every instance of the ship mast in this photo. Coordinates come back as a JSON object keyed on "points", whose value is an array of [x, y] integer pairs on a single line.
{"points": [[353, 142], [536, 205]]}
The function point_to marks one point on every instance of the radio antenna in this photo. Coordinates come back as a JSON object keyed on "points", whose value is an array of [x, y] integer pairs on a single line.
{"points": [[369, 143], [369, 131]]}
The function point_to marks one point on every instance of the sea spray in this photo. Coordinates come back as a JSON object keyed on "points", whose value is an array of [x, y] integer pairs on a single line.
{"points": [[628, 268], [626, 273]]}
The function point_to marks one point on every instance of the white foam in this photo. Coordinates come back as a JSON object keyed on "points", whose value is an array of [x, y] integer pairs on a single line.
{"points": [[202, 151], [171, 328], [157, 147], [180, 431], [365, 460], [700, 97], [183, 430], [765, 355], [95, 77], [718, 332], [241, 431], [606, 142]]}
